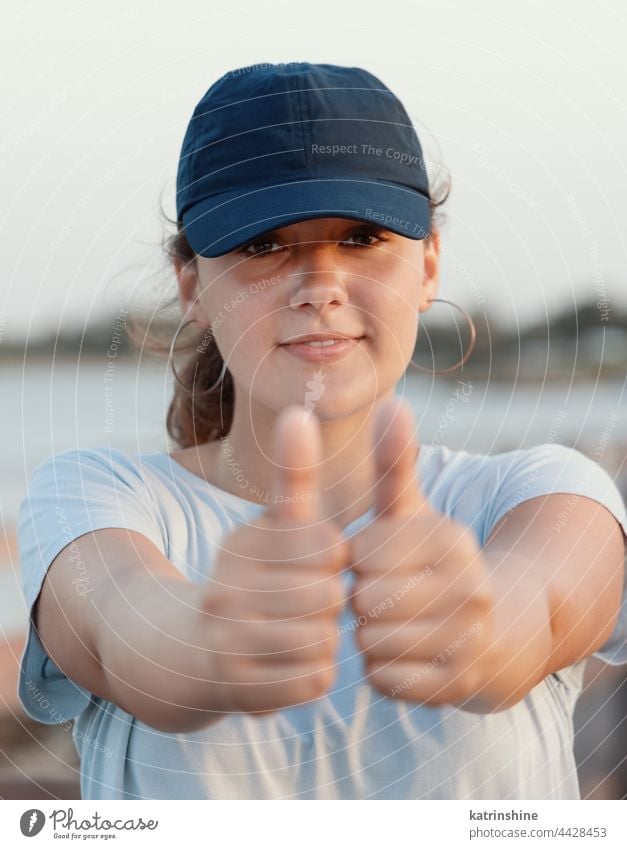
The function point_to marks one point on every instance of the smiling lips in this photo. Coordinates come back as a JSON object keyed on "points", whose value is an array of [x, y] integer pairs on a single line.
{"points": [[318, 337], [320, 346]]}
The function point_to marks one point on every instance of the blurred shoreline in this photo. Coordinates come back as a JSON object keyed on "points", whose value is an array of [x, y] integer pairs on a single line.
{"points": [[587, 341]]}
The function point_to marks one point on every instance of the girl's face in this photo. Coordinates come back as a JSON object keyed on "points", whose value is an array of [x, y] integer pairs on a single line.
{"points": [[328, 276]]}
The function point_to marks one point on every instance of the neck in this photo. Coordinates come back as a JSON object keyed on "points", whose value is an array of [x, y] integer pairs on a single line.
{"points": [[244, 463]]}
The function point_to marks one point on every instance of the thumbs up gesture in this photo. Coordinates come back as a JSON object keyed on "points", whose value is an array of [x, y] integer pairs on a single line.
{"points": [[276, 591], [421, 594]]}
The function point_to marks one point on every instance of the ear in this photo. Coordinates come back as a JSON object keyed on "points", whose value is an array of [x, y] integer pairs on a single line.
{"points": [[189, 292], [431, 279]]}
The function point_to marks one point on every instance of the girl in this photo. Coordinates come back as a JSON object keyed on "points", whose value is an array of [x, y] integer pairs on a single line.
{"points": [[301, 601]]}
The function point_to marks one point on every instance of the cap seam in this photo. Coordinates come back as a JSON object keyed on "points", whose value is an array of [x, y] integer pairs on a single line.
{"points": [[302, 124]]}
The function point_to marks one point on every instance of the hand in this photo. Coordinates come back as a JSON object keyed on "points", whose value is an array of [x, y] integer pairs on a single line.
{"points": [[422, 599], [277, 592]]}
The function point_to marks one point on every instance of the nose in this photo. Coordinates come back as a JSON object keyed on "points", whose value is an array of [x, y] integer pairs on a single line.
{"points": [[320, 280]]}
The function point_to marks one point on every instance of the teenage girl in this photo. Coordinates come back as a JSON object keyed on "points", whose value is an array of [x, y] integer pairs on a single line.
{"points": [[302, 601]]}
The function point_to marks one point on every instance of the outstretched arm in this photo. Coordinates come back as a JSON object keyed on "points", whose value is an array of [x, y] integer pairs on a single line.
{"points": [[557, 588], [442, 620]]}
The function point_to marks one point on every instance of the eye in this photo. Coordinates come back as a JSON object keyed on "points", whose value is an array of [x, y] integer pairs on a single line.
{"points": [[262, 242], [263, 245], [368, 233]]}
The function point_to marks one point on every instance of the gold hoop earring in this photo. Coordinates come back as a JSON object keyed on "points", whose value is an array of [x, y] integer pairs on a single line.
{"points": [[178, 379], [473, 337]]}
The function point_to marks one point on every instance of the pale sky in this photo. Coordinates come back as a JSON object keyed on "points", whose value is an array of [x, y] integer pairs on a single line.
{"points": [[525, 103]]}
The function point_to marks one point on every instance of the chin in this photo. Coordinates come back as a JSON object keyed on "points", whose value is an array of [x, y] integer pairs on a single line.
{"points": [[335, 402]]}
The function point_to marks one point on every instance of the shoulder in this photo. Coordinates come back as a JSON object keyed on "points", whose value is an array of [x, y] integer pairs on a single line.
{"points": [[478, 489], [552, 467], [83, 489], [443, 468], [93, 465], [549, 458], [103, 456]]}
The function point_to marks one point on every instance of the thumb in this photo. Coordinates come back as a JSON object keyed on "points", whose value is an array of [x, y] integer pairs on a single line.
{"points": [[397, 486], [298, 454]]}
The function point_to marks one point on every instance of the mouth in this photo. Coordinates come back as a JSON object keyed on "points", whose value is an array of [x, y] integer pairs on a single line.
{"points": [[321, 346], [318, 339]]}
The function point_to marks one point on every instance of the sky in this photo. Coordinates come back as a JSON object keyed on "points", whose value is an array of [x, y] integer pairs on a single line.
{"points": [[525, 104]]}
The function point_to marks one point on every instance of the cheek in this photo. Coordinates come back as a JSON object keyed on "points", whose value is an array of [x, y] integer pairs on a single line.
{"points": [[393, 318], [244, 330]]}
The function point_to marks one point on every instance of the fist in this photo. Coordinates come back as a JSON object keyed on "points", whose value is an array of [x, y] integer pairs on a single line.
{"points": [[277, 591], [421, 596]]}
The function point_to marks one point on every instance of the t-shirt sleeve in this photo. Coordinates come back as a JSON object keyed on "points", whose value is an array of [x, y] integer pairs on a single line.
{"points": [[70, 494], [551, 468]]}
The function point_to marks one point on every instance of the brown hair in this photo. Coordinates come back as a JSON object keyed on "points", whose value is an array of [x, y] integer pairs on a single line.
{"points": [[199, 417]]}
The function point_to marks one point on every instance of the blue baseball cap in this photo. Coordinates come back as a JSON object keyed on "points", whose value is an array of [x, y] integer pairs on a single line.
{"points": [[273, 144]]}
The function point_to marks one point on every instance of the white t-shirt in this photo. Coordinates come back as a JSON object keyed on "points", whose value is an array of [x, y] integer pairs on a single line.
{"points": [[352, 743]]}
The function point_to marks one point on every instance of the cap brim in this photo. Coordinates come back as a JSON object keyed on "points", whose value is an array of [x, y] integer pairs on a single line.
{"points": [[228, 221]]}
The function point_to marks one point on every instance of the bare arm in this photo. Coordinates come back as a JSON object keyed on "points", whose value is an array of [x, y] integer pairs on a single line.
{"points": [[260, 636], [558, 591], [131, 631]]}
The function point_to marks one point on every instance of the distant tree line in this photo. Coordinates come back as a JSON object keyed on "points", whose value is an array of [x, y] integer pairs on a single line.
{"points": [[584, 339]]}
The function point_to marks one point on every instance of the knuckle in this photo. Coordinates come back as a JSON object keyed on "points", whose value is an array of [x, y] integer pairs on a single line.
{"points": [[438, 699], [359, 601], [334, 594], [328, 677], [330, 547], [221, 642], [321, 639], [363, 638], [466, 684], [477, 595], [462, 600], [339, 554], [320, 679], [374, 674], [331, 636], [227, 601], [473, 680], [464, 680], [364, 601], [481, 599]]}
